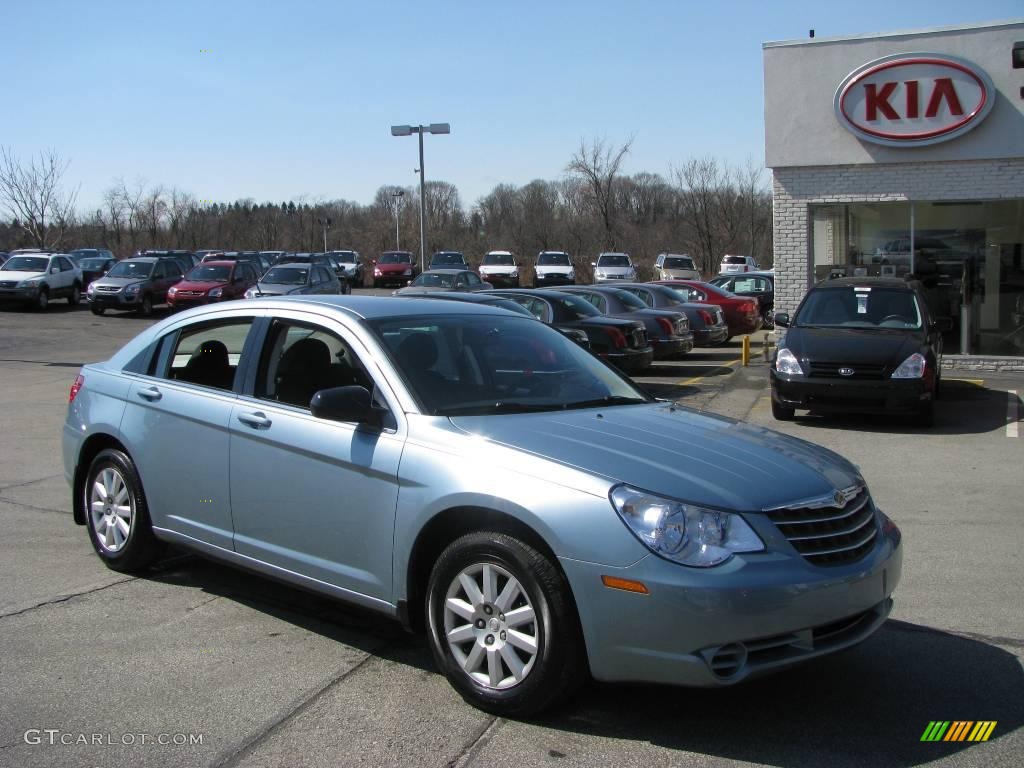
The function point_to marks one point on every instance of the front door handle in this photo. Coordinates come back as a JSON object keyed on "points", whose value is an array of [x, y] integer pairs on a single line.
{"points": [[256, 420], [150, 393]]}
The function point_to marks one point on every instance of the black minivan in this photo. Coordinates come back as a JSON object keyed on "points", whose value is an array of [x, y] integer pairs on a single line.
{"points": [[859, 345]]}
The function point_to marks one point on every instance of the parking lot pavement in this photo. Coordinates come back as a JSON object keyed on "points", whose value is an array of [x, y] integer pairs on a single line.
{"points": [[251, 673]]}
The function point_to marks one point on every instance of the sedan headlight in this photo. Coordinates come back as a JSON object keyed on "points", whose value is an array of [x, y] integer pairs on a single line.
{"points": [[911, 368], [786, 362], [684, 533], [215, 293]]}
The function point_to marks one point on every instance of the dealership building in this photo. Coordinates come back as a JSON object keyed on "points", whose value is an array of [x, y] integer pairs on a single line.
{"points": [[903, 154]]}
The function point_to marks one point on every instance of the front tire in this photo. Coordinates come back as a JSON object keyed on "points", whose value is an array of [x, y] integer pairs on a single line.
{"points": [[146, 308], [502, 625], [96, 310], [76, 295], [117, 515], [43, 299]]}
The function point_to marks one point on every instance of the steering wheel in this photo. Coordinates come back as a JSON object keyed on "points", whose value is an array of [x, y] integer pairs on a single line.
{"points": [[901, 318]]}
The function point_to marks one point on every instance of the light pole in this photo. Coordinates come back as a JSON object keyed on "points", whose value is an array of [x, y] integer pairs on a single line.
{"points": [[397, 194], [326, 224], [408, 130]]}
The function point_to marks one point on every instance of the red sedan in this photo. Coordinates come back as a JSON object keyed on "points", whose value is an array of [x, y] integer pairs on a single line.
{"points": [[741, 314]]}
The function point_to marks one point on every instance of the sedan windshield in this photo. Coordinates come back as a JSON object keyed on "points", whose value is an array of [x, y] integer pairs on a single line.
{"points": [[136, 269], [613, 260], [26, 264], [850, 307], [205, 273], [461, 365], [435, 280], [395, 258], [286, 276]]}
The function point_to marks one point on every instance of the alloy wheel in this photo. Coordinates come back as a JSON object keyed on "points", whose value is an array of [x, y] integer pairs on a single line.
{"points": [[112, 509], [490, 626]]}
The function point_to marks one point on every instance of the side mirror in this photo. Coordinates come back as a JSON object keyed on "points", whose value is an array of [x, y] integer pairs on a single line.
{"points": [[352, 403], [782, 319], [593, 264]]}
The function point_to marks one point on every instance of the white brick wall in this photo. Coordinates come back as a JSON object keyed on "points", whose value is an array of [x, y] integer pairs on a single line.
{"points": [[795, 189]]}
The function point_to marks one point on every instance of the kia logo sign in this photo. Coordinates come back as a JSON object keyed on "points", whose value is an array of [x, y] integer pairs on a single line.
{"points": [[912, 99]]}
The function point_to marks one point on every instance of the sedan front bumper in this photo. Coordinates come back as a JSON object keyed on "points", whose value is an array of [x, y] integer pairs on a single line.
{"points": [[718, 626], [836, 395]]}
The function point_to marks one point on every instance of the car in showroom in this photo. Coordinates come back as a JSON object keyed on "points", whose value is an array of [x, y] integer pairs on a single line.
{"points": [[668, 331], [136, 285], [445, 280], [754, 285], [298, 280], [448, 260], [212, 281], [394, 268], [553, 268], [34, 277], [742, 315], [500, 269], [476, 476], [859, 345], [619, 341], [612, 267], [673, 266], [707, 321]]}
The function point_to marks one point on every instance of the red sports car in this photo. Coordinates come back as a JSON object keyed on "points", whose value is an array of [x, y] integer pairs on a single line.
{"points": [[741, 314]]}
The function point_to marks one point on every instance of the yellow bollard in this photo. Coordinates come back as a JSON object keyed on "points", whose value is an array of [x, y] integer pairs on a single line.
{"points": [[746, 351]]}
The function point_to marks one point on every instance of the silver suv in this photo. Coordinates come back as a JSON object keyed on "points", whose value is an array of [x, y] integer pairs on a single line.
{"points": [[34, 277], [610, 267]]}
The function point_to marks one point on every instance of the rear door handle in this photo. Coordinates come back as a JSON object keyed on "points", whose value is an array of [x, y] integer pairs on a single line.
{"points": [[150, 393], [256, 420]]}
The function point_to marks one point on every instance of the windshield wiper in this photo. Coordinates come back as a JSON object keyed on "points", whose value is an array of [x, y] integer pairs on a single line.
{"points": [[607, 400]]}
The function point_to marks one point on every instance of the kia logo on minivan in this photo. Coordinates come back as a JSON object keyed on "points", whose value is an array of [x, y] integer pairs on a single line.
{"points": [[912, 99]]}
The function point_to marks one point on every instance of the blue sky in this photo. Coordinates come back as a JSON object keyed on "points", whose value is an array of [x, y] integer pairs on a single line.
{"points": [[296, 98]]}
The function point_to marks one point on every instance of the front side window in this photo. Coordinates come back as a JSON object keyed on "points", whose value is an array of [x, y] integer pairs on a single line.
{"points": [[299, 360], [209, 354]]}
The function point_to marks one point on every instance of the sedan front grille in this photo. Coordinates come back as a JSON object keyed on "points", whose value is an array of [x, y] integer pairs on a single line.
{"points": [[855, 371], [830, 534]]}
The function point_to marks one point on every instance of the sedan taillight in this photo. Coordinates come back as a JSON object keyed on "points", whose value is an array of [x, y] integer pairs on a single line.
{"points": [[706, 317], [666, 325], [79, 381], [617, 337]]}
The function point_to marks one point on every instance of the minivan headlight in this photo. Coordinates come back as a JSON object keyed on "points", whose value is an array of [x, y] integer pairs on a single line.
{"points": [[684, 533], [911, 368], [786, 362]]}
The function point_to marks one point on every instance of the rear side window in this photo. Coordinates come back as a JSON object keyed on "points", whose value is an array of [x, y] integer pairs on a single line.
{"points": [[209, 354]]}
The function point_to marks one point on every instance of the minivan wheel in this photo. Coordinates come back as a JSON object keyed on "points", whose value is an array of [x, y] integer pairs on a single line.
{"points": [[502, 625], [117, 515], [782, 413]]}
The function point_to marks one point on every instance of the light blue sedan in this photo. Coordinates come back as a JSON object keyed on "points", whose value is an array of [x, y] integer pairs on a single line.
{"points": [[478, 476]]}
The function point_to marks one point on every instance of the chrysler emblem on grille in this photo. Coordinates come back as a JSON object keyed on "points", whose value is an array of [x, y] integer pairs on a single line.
{"points": [[846, 371]]}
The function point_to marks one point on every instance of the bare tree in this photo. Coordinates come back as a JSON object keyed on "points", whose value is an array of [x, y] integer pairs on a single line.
{"points": [[34, 195], [597, 165]]}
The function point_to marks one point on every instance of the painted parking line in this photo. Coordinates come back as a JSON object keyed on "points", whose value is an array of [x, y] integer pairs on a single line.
{"points": [[695, 379], [1012, 413], [972, 382]]}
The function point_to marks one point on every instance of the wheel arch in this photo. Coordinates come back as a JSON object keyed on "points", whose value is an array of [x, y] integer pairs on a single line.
{"points": [[89, 450], [444, 528]]}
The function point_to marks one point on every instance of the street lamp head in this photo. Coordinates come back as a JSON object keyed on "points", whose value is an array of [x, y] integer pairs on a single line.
{"points": [[439, 128], [401, 130], [398, 193]]}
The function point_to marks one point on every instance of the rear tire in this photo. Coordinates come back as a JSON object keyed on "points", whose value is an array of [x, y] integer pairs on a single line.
{"points": [[782, 413], [117, 515], [502, 625]]}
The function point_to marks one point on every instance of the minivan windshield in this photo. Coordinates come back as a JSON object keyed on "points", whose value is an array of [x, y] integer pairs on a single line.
{"points": [[395, 258], [551, 259], [859, 307], [449, 259], [469, 365], [499, 259], [136, 269], [613, 260], [678, 262]]}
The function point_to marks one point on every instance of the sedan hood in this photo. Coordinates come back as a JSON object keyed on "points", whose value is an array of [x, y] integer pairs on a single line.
{"points": [[277, 289], [118, 282], [677, 452], [199, 285], [853, 346]]}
